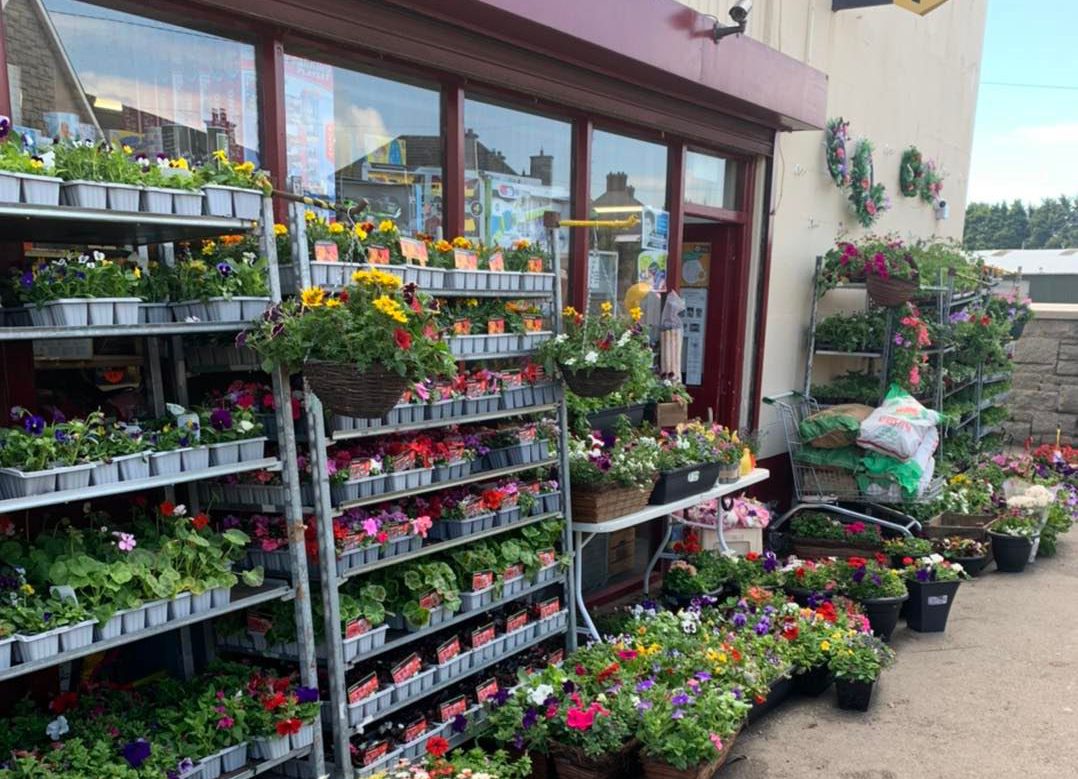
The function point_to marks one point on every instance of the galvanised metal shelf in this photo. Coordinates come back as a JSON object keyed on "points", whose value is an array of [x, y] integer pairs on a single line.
{"points": [[507, 294], [440, 485], [370, 432], [456, 619], [242, 598], [498, 356], [836, 353], [120, 487], [103, 227], [266, 765], [119, 331]]}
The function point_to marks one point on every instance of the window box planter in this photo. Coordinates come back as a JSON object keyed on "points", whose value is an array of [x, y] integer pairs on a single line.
{"points": [[224, 310], [304, 737], [270, 748], [684, 482], [154, 313], [461, 345], [537, 282], [156, 612], [502, 458], [252, 307], [39, 317], [252, 449], [134, 620], [547, 574], [105, 473], [5, 652], [190, 310], [965, 525], [40, 190], [401, 545], [547, 503], [9, 187], [1011, 553], [602, 505], [572, 763], [217, 200], [929, 605], [405, 414], [156, 200], [518, 397], [246, 203], [483, 405], [68, 312], [779, 691], [122, 197], [465, 279], [853, 696], [607, 419], [164, 463], [84, 194], [507, 516], [201, 602], [409, 480], [514, 586], [415, 686], [195, 458], [209, 767], [180, 606], [505, 342], [883, 614], [370, 706], [972, 565], [185, 203], [134, 467], [73, 477], [224, 453], [457, 470], [437, 617], [445, 409], [22, 484], [373, 639], [446, 529], [458, 666], [477, 599], [220, 597], [233, 758], [811, 548], [38, 646], [77, 636], [354, 489]]}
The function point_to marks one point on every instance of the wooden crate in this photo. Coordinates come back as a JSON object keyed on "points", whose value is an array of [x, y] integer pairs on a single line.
{"points": [[965, 525], [621, 551]]}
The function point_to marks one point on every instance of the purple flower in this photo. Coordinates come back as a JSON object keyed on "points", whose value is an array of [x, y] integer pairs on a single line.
{"points": [[500, 697], [858, 576], [568, 687], [678, 714], [306, 694], [518, 742], [241, 339], [221, 419], [5, 126], [61, 436], [703, 676], [739, 620], [771, 562], [923, 575], [643, 706], [224, 269], [531, 716], [876, 579], [136, 752], [645, 685], [27, 279], [460, 724], [737, 692], [681, 699], [763, 626], [34, 424]]}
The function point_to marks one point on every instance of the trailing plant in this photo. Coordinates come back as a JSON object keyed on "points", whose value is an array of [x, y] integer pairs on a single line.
{"points": [[868, 198]]}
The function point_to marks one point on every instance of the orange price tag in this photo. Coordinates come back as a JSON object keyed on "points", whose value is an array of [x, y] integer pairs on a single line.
{"points": [[465, 260], [496, 262], [414, 251], [535, 264], [378, 255], [326, 251]]}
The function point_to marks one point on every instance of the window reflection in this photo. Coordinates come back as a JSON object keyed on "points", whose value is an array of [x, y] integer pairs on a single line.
{"points": [[80, 71], [352, 135], [711, 181]]}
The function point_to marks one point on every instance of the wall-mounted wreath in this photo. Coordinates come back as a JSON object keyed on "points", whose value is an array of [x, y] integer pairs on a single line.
{"points": [[868, 198], [918, 177], [837, 163]]}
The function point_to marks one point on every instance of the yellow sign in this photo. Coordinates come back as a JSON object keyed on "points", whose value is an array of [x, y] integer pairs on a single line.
{"points": [[920, 7]]}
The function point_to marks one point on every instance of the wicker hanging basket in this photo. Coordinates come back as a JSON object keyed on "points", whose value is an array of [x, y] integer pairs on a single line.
{"points": [[654, 769], [891, 292], [349, 392], [572, 763], [593, 382], [608, 503]]}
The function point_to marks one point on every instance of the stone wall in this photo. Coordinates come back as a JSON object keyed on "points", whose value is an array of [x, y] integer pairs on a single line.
{"points": [[1045, 394]]}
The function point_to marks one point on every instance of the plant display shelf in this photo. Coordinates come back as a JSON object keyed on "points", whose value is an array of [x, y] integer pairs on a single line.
{"points": [[838, 353], [121, 487], [80, 226], [450, 682], [242, 597], [336, 667], [994, 400], [430, 424], [118, 331], [71, 225], [959, 388], [987, 431], [516, 294], [438, 486], [405, 639]]}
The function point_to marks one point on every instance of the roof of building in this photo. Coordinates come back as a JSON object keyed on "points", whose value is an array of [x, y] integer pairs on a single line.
{"points": [[1034, 262]]}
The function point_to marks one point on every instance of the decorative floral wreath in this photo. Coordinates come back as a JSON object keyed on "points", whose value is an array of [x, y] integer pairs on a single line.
{"points": [[918, 178], [835, 138], [868, 198]]}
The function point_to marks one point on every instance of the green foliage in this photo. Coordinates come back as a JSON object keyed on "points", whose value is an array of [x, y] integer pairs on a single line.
{"points": [[1051, 225], [860, 658], [862, 331]]}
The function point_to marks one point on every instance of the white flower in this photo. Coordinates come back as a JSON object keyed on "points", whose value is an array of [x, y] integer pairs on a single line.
{"points": [[179, 511], [936, 558], [98, 255], [561, 338], [957, 567], [570, 361], [624, 339], [591, 357], [246, 426], [539, 695], [57, 728], [48, 159]]}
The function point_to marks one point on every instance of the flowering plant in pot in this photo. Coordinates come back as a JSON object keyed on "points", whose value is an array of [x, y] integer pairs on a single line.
{"points": [[687, 733], [933, 583], [359, 349], [1013, 537], [417, 591], [891, 274], [906, 546], [589, 734], [611, 479], [857, 661], [596, 354], [880, 590], [970, 553]]}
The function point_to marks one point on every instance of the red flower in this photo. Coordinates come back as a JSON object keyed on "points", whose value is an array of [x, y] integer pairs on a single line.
{"points": [[437, 746], [492, 499], [907, 560], [200, 521], [857, 562], [273, 702], [827, 611], [800, 573], [736, 655], [166, 508], [607, 672], [881, 558], [580, 670], [760, 699], [287, 727], [403, 339], [343, 296], [63, 702], [790, 633], [246, 400], [752, 556], [280, 685]]}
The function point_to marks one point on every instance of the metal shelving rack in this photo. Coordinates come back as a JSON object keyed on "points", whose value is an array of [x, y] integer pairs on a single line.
{"points": [[324, 512], [74, 226]]}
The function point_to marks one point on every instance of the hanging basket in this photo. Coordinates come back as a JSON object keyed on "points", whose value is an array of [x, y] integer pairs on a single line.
{"points": [[892, 292], [608, 503], [593, 382], [350, 392]]}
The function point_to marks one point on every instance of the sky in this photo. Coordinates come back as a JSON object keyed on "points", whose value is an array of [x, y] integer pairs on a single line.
{"points": [[1025, 142]]}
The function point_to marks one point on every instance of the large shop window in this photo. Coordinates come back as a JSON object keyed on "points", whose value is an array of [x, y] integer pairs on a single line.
{"points": [[517, 166], [712, 181], [628, 178], [352, 135], [81, 71]]}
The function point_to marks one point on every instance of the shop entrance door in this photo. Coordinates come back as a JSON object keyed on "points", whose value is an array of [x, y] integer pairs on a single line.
{"points": [[713, 286]]}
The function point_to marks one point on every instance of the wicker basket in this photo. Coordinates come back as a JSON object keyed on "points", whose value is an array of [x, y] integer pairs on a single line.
{"points": [[607, 504], [654, 769], [891, 292], [352, 393], [594, 382], [572, 763]]}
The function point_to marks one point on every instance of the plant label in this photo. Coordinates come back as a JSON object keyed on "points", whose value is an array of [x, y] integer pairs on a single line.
{"points": [[397, 530], [448, 650], [692, 477], [527, 435], [549, 608], [359, 469], [481, 580], [378, 255], [495, 326], [938, 600], [64, 592], [453, 708], [406, 669], [557, 657], [517, 621], [496, 262], [363, 689], [375, 753], [258, 624], [487, 690], [356, 628], [547, 558], [415, 730], [535, 264], [430, 601], [465, 260], [326, 251], [513, 572], [482, 636], [414, 252], [462, 327]]}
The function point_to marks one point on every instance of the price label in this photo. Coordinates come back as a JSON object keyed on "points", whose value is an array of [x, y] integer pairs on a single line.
{"points": [[259, 624], [357, 627], [486, 690], [414, 251], [406, 669], [549, 608], [415, 730], [526, 435], [462, 327], [360, 469], [512, 380], [452, 708], [513, 572], [465, 260], [448, 650], [495, 326], [547, 557], [482, 636], [557, 657], [430, 601], [516, 622], [326, 251], [396, 530], [481, 580], [496, 262], [363, 689], [378, 255], [375, 753], [404, 461], [535, 264]]}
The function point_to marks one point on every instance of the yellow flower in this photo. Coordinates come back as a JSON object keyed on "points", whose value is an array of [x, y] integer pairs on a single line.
{"points": [[180, 162], [128, 149], [568, 312], [361, 234], [310, 216], [376, 278], [244, 167], [37, 164], [387, 226], [521, 244], [197, 265], [390, 308], [443, 245], [280, 229], [208, 247], [825, 646], [336, 227], [333, 303], [635, 313], [27, 589], [460, 242], [606, 308], [472, 303], [220, 155], [641, 630], [138, 272], [312, 297]]}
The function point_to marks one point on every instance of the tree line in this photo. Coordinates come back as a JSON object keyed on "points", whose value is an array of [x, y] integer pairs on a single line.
{"points": [[1051, 225]]}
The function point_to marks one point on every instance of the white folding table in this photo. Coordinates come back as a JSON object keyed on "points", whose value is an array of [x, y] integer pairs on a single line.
{"points": [[584, 532]]}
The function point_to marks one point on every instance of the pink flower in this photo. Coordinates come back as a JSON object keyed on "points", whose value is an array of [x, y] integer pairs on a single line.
{"points": [[420, 526], [371, 526], [579, 719], [225, 723], [915, 376], [870, 206], [717, 741]]}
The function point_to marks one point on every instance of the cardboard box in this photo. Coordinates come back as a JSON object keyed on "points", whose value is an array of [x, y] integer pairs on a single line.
{"points": [[621, 552]]}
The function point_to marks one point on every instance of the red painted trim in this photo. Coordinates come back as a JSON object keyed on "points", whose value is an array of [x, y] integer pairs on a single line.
{"points": [[581, 209], [675, 199], [724, 215], [270, 58], [453, 169]]}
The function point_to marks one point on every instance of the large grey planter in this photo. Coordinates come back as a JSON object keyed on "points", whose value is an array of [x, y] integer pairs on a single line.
{"points": [[270, 748], [224, 310], [233, 758], [252, 449], [40, 317], [186, 203], [225, 453], [156, 612], [10, 187], [105, 473], [201, 602], [180, 606], [22, 484], [304, 737], [134, 467], [40, 190], [122, 197], [218, 200], [165, 463], [155, 313], [210, 767], [126, 310], [220, 597], [195, 458], [73, 477], [77, 636], [84, 194], [252, 307], [156, 200], [68, 312], [134, 620], [38, 646], [112, 628], [247, 204]]}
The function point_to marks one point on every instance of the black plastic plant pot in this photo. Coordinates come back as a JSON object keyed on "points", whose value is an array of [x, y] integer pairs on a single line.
{"points": [[1010, 552], [780, 691], [853, 696], [972, 565], [813, 682], [684, 482], [883, 614], [605, 420], [929, 605]]}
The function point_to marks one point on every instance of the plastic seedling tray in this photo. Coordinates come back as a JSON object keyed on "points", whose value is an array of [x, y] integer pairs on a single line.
{"points": [[180, 606], [77, 636], [122, 197], [458, 666], [84, 194], [477, 599], [195, 458], [373, 639], [415, 686], [187, 203], [371, 706], [156, 200]]}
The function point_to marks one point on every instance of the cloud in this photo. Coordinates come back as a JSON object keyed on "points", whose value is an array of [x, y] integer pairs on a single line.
{"points": [[1030, 163]]}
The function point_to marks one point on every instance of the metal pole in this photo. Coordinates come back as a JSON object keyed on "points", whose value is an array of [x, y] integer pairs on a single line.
{"points": [[813, 316]]}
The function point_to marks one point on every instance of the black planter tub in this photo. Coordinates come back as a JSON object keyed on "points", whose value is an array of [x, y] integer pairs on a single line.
{"points": [[853, 696], [929, 605], [1011, 553], [883, 614]]}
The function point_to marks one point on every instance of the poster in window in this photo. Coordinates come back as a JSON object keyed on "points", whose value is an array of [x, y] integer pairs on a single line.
{"points": [[651, 269], [695, 264], [654, 229], [692, 353]]}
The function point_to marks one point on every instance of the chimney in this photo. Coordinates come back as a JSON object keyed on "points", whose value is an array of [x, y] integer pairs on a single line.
{"points": [[616, 182], [542, 167], [471, 143]]}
